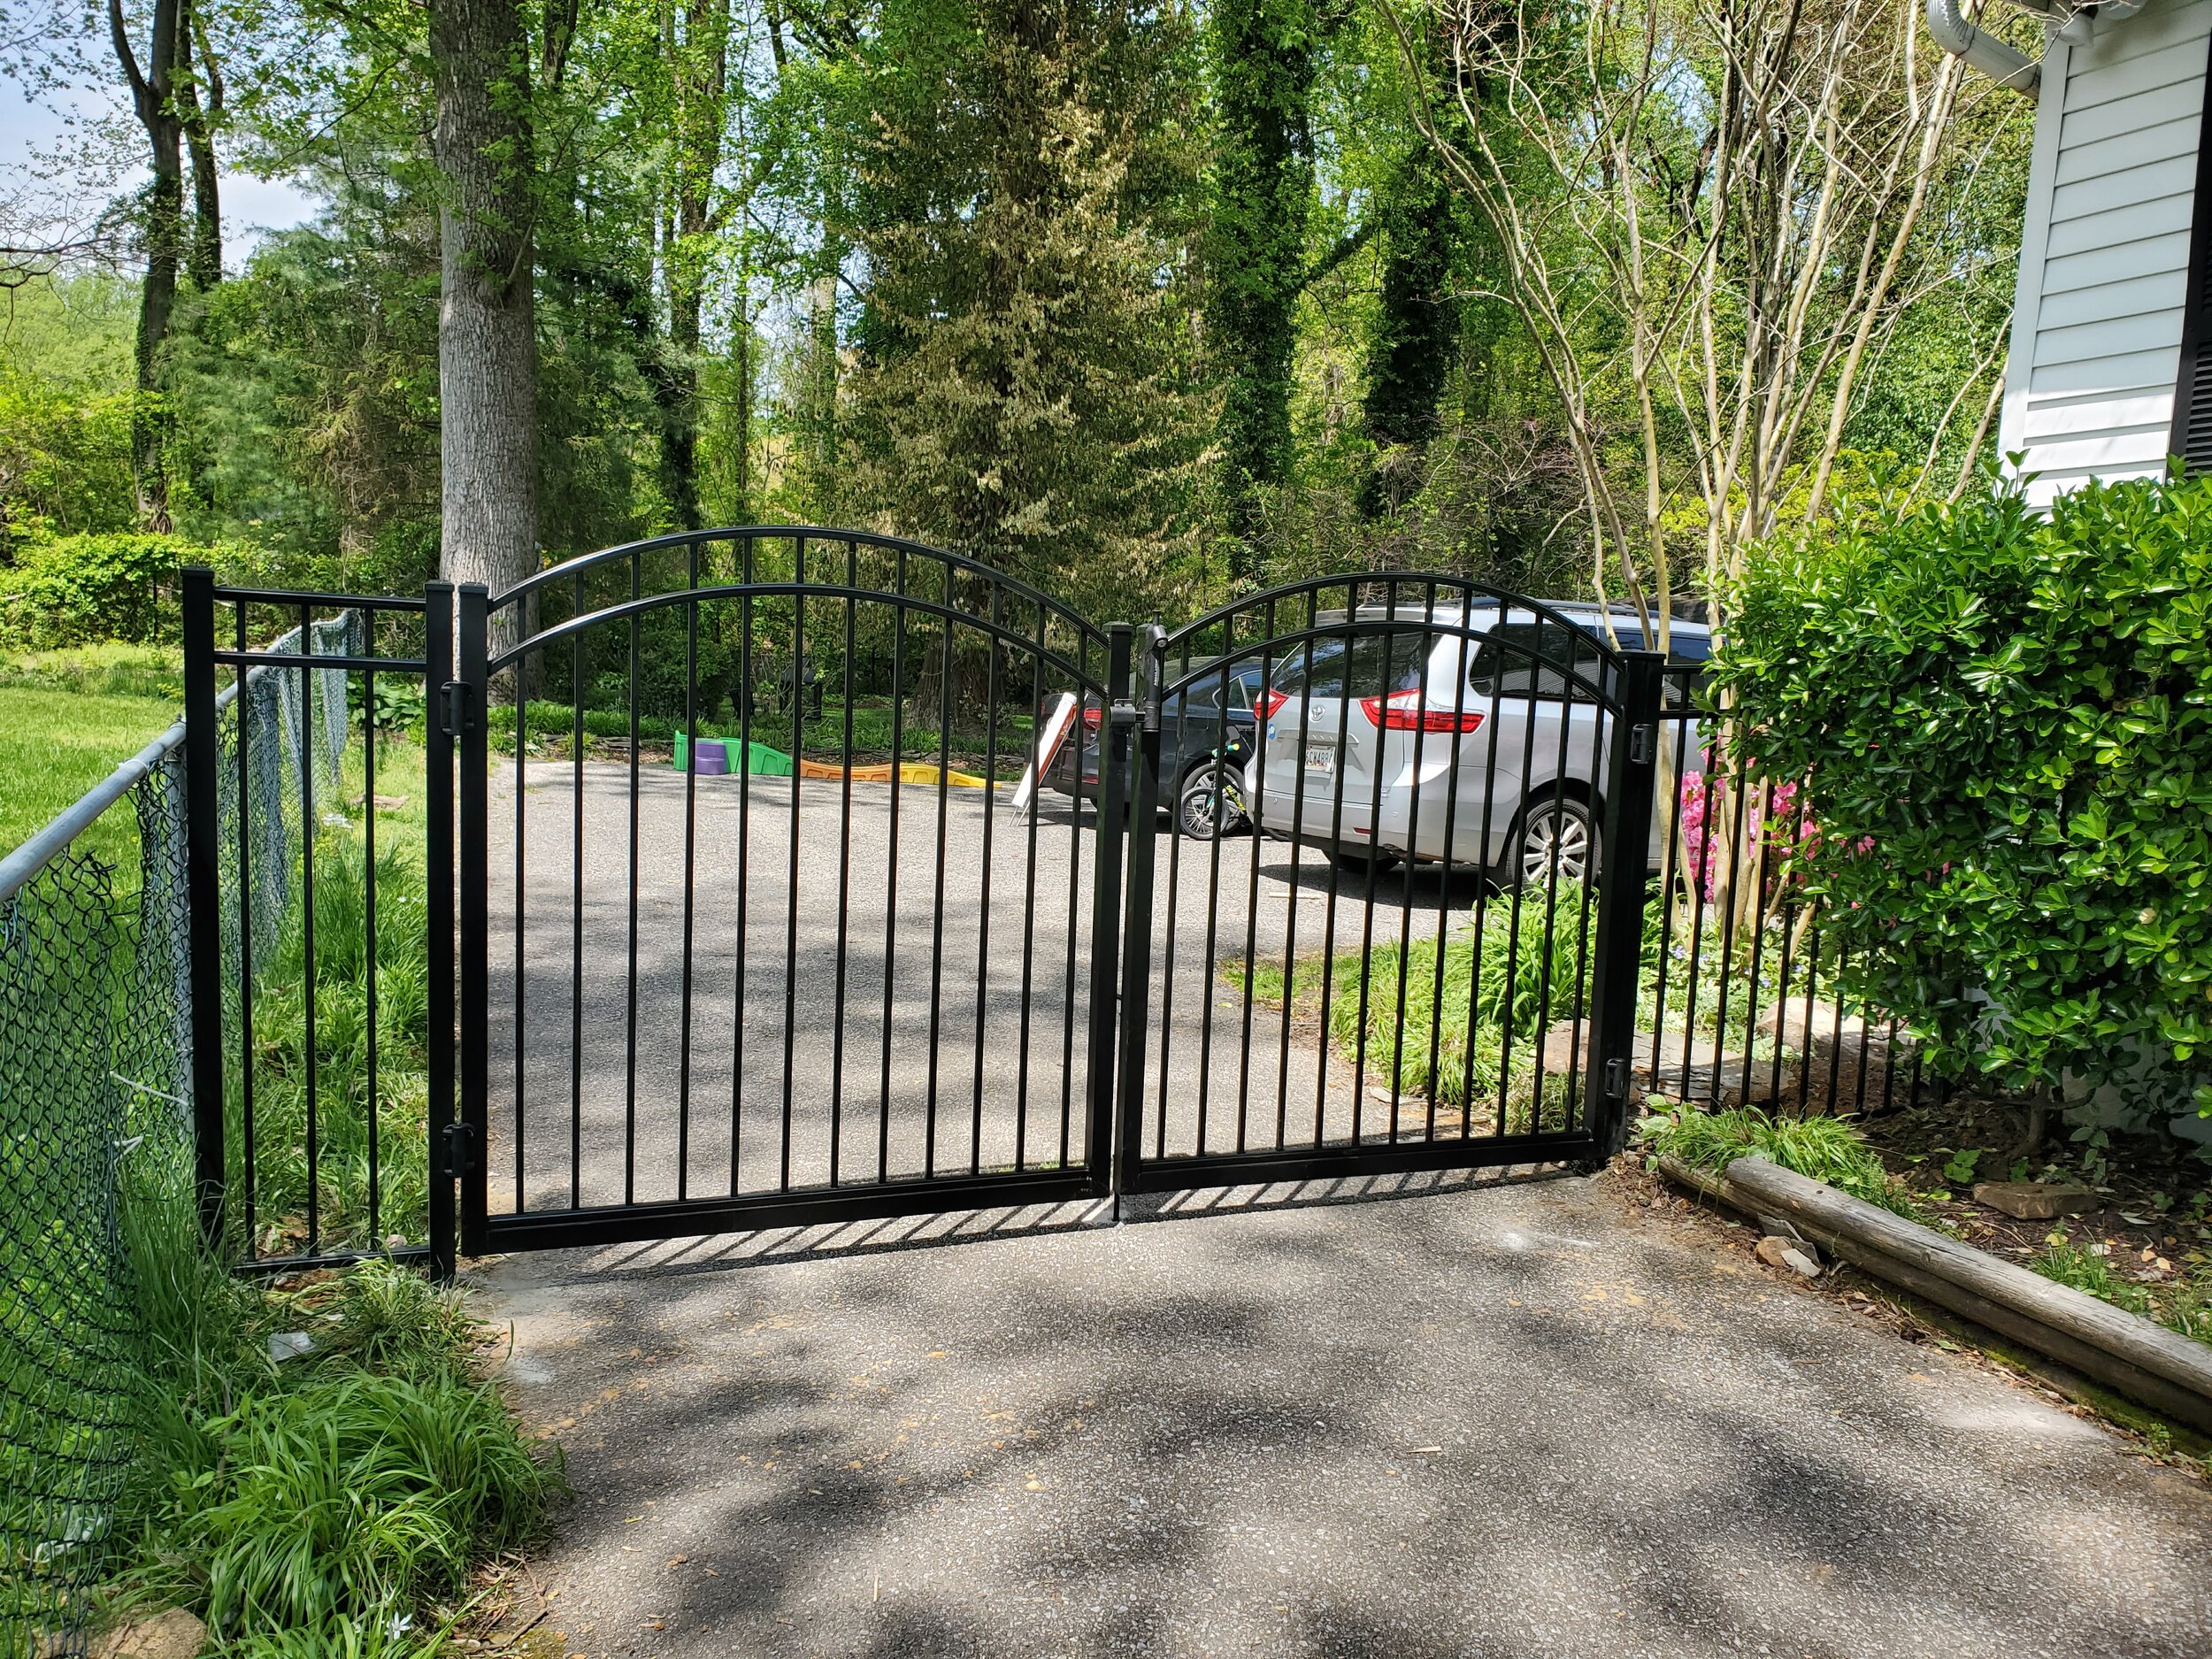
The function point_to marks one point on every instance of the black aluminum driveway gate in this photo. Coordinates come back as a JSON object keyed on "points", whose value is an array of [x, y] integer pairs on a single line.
{"points": [[751, 933]]}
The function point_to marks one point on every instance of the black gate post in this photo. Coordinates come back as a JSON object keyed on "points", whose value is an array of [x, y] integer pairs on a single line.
{"points": [[1623, 862], [1120, 715], [437, 614], [468, 700], [204, 895], [1136, 932]]}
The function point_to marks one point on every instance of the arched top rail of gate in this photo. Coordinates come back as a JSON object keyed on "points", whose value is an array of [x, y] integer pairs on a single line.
{"points": [[828, 593], [1031, 597], [1286, 638]]}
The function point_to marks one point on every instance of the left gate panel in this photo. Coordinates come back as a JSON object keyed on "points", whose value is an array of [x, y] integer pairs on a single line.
{"points": [[317, 869], [765, 936]]}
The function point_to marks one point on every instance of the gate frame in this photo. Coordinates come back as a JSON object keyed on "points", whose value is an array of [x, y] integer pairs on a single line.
{"points": [[481, 1231], [1633, 706], [456, 670]]}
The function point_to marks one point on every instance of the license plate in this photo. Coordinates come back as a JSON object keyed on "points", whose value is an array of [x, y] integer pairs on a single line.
{"points": [[1321, 757]]}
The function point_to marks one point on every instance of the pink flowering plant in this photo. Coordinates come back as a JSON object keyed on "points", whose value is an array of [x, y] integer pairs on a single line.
{"points": [[2005, 716]]}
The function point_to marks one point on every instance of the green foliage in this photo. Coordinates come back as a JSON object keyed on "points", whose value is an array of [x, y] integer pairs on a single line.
{"points": [[1022, 395], [75, 590], [318, 1505], [66, 402], [342, 992], [2004, 718], [1525, 971], [1262, 54], [1824, 1149]]}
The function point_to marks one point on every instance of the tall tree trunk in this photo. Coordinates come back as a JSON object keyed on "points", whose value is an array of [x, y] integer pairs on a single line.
{"points": [[487, 328], [700, 71], [204, 259], [152, 97], [1263, 56], [1411, 351]]}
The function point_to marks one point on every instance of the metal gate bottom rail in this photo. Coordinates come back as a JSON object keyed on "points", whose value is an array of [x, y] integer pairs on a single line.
{"points": [[801, 1207]]}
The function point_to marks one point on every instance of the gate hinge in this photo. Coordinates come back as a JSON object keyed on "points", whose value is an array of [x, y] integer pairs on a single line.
{"points": [[1615, 1079], [1639, 744], [1152, 714], [460, 1149], [453, 697]]}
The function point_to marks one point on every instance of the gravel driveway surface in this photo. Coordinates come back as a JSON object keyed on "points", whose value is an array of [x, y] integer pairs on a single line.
{"points": [[1512, 1420]]}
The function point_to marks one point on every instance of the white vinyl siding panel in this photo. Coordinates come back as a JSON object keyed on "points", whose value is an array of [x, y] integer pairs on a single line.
{"points": [[2097, 323]]}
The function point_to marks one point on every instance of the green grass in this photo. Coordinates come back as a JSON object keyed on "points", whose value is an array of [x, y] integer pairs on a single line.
{"points": [[329, 1504], [1824, 1149], [1521, 974], [346, 1216], [56, 744], [2185, 1305]]}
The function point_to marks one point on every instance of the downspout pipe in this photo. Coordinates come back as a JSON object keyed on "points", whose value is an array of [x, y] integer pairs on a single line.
{"points": [[2005, 65]]}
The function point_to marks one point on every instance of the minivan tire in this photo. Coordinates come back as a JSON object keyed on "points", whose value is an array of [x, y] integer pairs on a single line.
{"points": [[1561, 828]]}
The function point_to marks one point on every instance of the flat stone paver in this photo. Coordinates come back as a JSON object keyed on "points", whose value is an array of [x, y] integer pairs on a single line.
{"points": [[1508, 1420]]}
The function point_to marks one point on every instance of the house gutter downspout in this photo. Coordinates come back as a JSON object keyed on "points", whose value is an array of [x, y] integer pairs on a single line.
{"points": [[1982, 50]]}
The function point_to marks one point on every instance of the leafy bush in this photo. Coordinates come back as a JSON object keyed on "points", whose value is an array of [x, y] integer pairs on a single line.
{"points": [[81, 588], [2002, 717]]}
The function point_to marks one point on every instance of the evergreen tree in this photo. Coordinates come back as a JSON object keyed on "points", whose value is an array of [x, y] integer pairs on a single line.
{"points": [[1021, 394]]}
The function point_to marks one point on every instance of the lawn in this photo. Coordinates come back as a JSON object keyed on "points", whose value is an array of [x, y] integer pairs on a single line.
{"points": [[55, 744]]}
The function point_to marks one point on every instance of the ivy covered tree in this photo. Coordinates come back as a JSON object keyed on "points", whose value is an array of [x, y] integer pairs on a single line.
{"points": [[1261, 56]]}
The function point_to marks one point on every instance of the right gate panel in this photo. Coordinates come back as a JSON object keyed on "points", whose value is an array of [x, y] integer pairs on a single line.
{"points": [[1386, 915]]}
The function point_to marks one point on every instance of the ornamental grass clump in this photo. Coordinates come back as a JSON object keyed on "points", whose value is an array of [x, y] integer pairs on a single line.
{"points": [[1821, 1148]]}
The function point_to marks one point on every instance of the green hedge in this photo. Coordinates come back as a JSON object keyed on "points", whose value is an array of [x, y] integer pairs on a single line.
{"points": [[78, 589], [2003, 718]]}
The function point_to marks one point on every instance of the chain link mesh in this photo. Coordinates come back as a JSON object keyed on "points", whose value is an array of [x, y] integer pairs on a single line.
{"points": [[95, 1063]]}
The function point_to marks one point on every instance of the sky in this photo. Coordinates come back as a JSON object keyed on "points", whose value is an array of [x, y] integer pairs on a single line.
{"points": [[251, 207]]}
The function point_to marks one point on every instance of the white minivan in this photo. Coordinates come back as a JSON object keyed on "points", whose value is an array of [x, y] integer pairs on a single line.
{"points": [[1378, 742]]}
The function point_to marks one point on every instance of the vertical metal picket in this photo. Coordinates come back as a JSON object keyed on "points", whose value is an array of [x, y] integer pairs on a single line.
{"points": [[204, 892], [1120, 716], [437, 614], [1136, 926], [1622, 856], [467, 703]]}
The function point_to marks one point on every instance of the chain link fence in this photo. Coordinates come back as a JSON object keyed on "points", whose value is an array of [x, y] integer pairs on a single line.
{"points": [[95, 1060]]}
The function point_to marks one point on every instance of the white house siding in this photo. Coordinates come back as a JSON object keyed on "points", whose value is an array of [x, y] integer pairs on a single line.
{"points": [[2104, 260]]}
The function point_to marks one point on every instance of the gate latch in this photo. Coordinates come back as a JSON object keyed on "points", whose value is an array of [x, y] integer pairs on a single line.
{"points": [[460, 1149], [1639, 744], [1615, 1078], [455, 695], [1123, 713]]}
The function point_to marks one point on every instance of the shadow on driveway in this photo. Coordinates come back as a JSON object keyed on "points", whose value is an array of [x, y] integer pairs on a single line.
{"points": [[1517, 1420]]}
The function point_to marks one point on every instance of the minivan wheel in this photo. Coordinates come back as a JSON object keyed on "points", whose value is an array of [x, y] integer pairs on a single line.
{"points": [[1560, 836]]}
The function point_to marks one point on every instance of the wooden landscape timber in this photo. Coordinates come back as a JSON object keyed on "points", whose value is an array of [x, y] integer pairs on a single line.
{"points": [[2123, 1351]]}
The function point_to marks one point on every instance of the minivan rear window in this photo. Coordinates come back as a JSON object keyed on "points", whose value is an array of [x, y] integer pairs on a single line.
{"points": [[1522, 659], [1365, 664]]}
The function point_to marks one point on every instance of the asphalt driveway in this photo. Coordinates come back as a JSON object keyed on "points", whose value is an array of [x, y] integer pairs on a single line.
{"points": [[941, 1024], [1502, 1420]]}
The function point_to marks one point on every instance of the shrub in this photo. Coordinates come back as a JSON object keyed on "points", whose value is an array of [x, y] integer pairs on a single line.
{"points": [[78, 589], [2002, 717]]}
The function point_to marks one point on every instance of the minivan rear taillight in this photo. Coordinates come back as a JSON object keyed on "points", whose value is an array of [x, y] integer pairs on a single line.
{"points": [[1272, 700], [1093, 717], [1402, 711]]}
